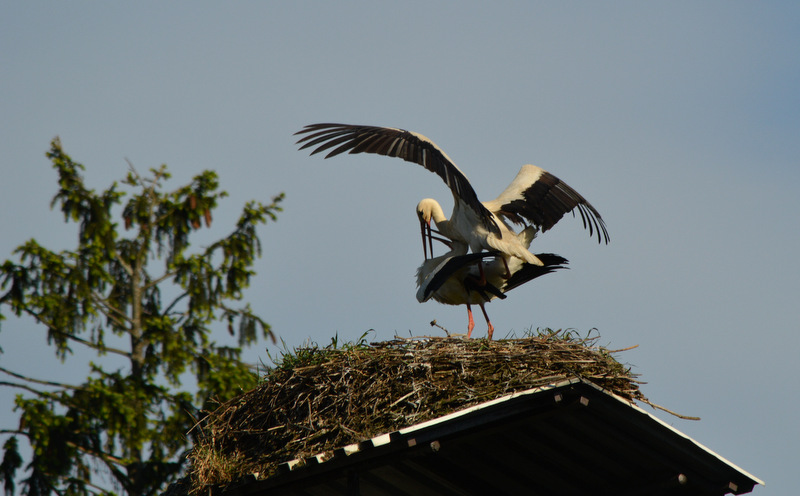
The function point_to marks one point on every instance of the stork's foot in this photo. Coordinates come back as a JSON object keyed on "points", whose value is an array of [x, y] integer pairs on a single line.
{"points": [[488, 323], [471, 324]]}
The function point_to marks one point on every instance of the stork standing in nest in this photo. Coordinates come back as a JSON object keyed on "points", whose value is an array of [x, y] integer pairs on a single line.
{"points": [[458, 279], [535, 195]]}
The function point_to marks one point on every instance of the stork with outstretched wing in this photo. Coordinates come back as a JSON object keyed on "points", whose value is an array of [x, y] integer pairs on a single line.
{"points": [[534, 196]]}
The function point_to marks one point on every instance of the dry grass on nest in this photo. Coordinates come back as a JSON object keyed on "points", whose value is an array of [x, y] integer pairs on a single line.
{"points": [[318, 399]]}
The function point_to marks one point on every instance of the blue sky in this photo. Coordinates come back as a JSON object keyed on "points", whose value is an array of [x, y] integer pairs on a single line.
{"points": [[678, 121]]}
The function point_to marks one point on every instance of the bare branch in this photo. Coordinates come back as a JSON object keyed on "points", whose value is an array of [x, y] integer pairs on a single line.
{"points": [[125, 265], [106, 457], [111, 312], [175, 302], [72, 337], [25, 388], [103, 348], [14, 432], [159, 280], [37, 381]]}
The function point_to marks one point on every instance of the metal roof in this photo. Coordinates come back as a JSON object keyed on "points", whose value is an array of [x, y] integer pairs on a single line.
{"points": [[563, 439]]}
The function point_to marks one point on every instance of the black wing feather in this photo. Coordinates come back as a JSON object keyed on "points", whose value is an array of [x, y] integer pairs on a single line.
{"points": [[546, 201], [395, 143], [452, 266]]}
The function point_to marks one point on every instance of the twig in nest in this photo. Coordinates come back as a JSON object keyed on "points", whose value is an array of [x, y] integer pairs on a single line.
{"points": [[659, 407], [403, 397], [433, 323], [624, 349]]}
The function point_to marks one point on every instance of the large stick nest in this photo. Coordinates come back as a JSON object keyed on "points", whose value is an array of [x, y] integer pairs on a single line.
{"points": [[319, 399]]}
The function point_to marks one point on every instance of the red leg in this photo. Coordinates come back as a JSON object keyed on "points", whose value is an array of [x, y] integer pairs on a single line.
{"points": [[471, 324], [488, 322]]}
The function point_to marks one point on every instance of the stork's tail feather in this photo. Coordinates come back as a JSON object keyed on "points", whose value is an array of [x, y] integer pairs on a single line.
{"points": [[529, 271]]}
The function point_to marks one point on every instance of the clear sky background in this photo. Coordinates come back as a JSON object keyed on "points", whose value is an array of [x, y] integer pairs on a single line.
{"points": [[678, 121]]}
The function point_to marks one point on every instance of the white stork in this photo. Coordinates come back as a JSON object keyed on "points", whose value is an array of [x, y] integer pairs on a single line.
{"points": [[454, 279], [534, 195]]}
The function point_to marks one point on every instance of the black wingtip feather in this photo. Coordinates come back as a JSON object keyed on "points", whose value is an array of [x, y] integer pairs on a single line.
{"points": [[399, 143]]}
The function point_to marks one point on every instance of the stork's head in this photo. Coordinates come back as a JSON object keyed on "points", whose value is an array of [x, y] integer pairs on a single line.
{"points": [[426, 209]]}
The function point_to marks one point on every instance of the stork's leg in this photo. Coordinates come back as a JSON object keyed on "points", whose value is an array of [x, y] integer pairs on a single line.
{"points": [[488, 322], [471, 324]]}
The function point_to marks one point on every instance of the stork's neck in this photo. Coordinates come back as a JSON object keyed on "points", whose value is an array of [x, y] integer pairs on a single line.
{"points": [[430, 210], [437, 214], [444, 225]]}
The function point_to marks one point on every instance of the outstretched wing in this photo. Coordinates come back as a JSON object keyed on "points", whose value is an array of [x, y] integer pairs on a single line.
{"points": [[543, 199], [392, 142]]}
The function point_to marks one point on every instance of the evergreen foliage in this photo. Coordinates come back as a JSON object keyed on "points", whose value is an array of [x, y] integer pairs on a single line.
{"points": [[142, 285]]}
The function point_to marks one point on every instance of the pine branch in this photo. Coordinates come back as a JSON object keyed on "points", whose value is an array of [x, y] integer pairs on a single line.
{"points": [[107, 458], [55, 330], [125, 265], [97, 489], [159, 280], [94, 346], [14, 432], [43, 394], [38, 381], [111, 312], [174, 302]]}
